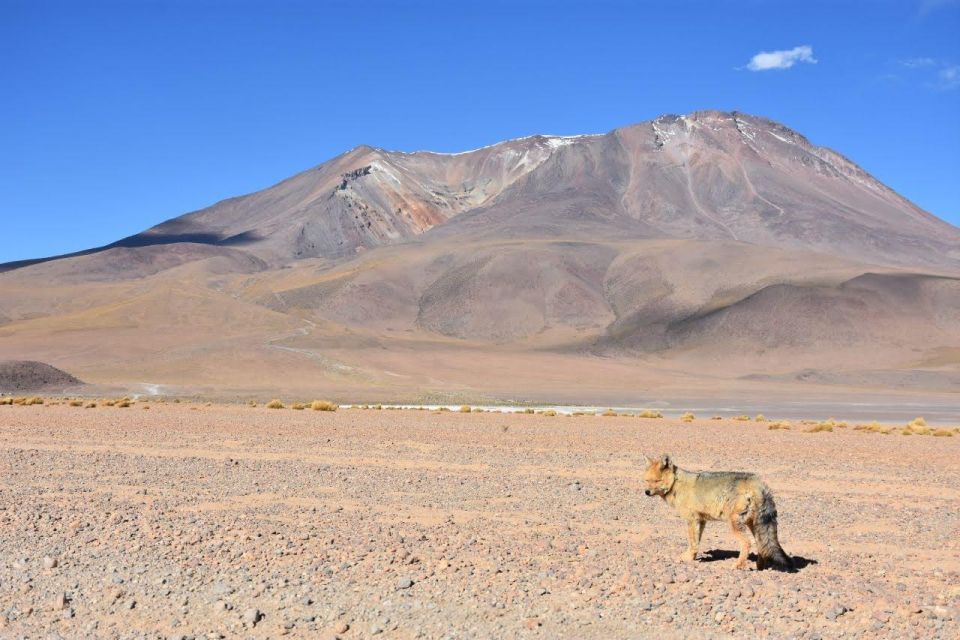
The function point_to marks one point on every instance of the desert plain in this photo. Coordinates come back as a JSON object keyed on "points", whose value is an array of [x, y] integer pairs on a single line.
{"points": [[197, 520]]}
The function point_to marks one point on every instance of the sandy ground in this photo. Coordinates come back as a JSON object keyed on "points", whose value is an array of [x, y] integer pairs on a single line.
{"points": [[190, 521]]}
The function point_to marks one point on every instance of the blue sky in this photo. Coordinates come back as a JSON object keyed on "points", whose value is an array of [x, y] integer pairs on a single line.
{"points": [[118, 115]]}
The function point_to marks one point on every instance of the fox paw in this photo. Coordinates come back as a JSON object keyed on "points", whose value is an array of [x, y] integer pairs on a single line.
{"points": [[687, 556]]}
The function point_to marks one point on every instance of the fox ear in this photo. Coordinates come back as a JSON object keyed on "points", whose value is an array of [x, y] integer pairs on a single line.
{"points": [[647, 458], [665, 461]]}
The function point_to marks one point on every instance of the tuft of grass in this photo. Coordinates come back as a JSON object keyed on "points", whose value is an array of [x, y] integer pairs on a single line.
{"points": [[742, 418], [649, 413], [609, 413], [122, 404], [760, 418], [146, 406], [274, 404], [76, 403], [819, 428], [916, 430], [943, 433], [716, 417], [465, 409], [550, 413], [34, 400], [687, 417], [323, 405], [90, 405], [529, 411], [873, 427], [252, 403], [918, 422], [781, 424], [6, 401], [297, 406]]}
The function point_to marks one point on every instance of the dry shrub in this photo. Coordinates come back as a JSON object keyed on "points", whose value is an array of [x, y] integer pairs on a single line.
{"points": [[146, 406], [742, 418], [465, 409], [760, 418], [918, 422], [297, 406], [323, 405], [90, 405], [819, 428], [550, 413], [943, 433], [477, 410], [176, 400], [781, 424], [609, 413], [76, 403], [874, 427], [6, 401], [916, 430], [252, 403], [122, 404], [649, 413], [275, 404], [528, 410], [578, 413], [687, 417], [716, 417], [32, 401]]}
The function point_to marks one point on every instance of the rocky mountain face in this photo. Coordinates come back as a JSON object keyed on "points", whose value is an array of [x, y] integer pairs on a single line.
{"points": [[705, 176], [712, 237]]}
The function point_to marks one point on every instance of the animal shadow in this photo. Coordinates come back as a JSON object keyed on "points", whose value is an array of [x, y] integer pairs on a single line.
{"points": [[799, 562]]}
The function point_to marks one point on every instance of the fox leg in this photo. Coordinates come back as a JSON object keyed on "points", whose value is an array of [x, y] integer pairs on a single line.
{"points": [[740, 533], [694, 531]]}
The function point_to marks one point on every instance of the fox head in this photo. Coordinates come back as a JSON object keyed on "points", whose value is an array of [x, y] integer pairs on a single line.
{"points": [[659, 475]]}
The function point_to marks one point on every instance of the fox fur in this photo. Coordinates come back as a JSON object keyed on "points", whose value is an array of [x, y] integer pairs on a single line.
{"points": [[740, 499]]}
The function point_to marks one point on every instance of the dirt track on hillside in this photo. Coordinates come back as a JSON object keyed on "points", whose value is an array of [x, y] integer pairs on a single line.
{"points": [[228, 521]]}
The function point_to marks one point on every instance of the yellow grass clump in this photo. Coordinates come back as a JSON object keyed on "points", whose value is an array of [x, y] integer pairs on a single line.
{"points": [[6, 401], [32, 401], [874, 427], [297, 406], [90, 405], [76, 403], [943, 433], [742, 418], [275, 404], [252, 403], [465, 409], [819, 428], [528, 410], [687, 417], [916, 430], [760, 418], [550, 413], [123, 404], [609, 413], [323, 405], [649, 413], [781, 424], [716, 417], [918, 422]]}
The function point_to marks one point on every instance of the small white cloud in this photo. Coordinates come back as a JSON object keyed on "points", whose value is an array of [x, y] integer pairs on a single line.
{"points": [[918, 63], [767, 60], [949, 78]]}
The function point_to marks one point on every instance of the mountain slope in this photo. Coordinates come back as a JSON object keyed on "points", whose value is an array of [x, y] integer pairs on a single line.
{"points": [[709, 251]]}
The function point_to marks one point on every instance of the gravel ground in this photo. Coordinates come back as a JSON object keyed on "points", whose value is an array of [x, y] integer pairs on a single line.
{"points": [[194, 521]]}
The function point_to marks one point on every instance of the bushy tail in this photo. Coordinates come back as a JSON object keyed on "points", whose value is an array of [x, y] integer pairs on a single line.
{"points": [[770, 555]]}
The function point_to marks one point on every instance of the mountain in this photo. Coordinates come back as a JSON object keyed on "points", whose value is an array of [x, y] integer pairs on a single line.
{"points": [[708, 251]]}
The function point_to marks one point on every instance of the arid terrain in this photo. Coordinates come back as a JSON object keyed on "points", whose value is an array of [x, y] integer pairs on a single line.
{"points": [[211, 521], [712, 256]]}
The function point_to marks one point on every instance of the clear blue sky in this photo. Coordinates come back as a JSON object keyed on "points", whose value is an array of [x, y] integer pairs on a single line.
{"points": [[118, 115]]}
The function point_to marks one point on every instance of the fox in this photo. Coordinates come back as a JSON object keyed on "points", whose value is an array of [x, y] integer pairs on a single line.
{"points": [[741, 499]]}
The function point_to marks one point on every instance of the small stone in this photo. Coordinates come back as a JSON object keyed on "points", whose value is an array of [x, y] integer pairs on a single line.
{"points": [[341, 627], [59, 601], [404, 583], [50, 563], [252, 616], [532, 623]]}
